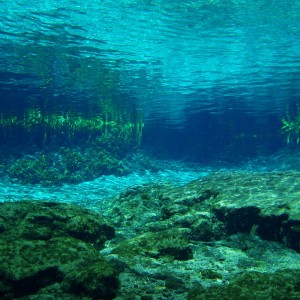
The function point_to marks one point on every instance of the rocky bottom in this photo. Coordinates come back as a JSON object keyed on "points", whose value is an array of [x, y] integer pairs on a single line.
{"points": [[228, 235]]}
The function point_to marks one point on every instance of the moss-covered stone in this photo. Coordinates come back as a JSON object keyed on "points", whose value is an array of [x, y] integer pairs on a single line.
{"points": [[169, 244], [266, 204], [44, 220], [34, 170], [199, 237], [52, 249], [94, 280], [253, 286]]}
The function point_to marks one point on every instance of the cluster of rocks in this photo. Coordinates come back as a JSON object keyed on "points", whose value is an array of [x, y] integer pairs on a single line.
{"points": [[225, 236], [200, 239]]}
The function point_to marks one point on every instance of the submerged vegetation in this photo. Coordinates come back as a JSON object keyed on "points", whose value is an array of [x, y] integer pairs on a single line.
{"points": [[73, 126], [68, 147], [65, 165], [291, 126], [43, 127]]}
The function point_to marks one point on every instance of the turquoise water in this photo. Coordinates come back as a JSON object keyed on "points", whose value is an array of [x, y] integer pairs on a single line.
{"points": [[171, 56], [89, 193], [97, 97], [210, 80]]}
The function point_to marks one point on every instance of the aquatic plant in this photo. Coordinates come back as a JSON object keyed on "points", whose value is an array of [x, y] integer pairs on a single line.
{"points": [[291, 126], [69, 125], [65, 165], [35, 170], [68, 147]]}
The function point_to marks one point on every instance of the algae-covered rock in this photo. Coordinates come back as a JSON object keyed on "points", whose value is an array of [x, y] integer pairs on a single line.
{"points": [[169, 244], [44, 220], [215, 238], [201, 236], [97, 281], [266, 204], [52, 249], [136, 209], [68, 165], [253, 286]]}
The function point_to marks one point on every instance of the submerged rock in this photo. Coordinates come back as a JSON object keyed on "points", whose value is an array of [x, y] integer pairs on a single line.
{"points": [[253, 286], [224, 236], [226, 224], [215, 206], [266, 204], [52, 249], [45, 220]]}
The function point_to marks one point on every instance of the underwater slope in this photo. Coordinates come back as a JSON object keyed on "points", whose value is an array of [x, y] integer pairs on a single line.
{"points": [[228, 235]]}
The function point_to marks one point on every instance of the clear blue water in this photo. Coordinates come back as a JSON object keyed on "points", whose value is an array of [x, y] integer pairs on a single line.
{"points": [[179, 89], [211, 78], [171, 55], [88, 193]]}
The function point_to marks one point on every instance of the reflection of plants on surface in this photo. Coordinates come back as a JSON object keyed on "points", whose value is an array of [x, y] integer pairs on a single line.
{"points": [[70, 78], [80, 109], [69, 125], [291, 126]]}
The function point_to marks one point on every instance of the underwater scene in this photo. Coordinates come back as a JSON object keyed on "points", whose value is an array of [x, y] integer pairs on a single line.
{"points": [[150, 149]]}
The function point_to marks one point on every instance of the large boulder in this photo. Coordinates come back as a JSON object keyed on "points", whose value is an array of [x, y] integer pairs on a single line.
{"points": [[265, 204], [202, 236], [52, 250]]}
